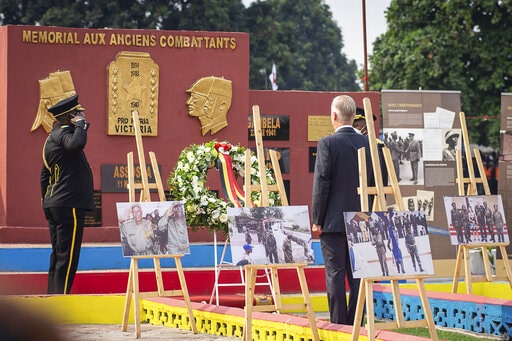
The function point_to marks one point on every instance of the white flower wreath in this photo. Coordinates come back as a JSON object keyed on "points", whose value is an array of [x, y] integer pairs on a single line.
{"points": [[187, 182]]}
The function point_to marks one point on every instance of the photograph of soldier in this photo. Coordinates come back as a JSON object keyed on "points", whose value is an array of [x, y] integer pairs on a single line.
{"points": [[498, 223], [380, 247], [152, 233], [410, 243], [489, 221], [427, 203], [452, 143], [278, 234], [383, 253], [137, 233], [174, 229], [406, 147], [393, 243], [471, 219], [270, 247]]}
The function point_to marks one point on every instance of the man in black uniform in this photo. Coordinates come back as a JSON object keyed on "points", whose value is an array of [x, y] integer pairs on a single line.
{"points": [[360, 124], [67, 191]]}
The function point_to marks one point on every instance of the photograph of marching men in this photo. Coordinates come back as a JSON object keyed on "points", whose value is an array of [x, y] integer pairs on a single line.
{"points": [[406, 148], [392, 243], [153, 228], [270, 235], [476, 219], [423, 201]]}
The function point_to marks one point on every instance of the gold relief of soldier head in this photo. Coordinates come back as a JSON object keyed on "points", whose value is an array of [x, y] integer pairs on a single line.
{"points": [[209, 101]]}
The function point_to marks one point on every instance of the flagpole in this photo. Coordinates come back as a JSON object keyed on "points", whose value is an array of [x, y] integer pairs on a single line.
{"points": [[365, 61]]}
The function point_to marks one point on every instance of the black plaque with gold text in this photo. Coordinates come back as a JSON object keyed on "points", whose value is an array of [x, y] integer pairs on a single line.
{"points": [[273, 127], [114, 177]]}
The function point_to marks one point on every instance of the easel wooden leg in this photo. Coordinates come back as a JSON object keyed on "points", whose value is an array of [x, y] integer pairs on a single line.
{"points": [[307, 302], [426, 309], [250, 278], [128, 299], [458, 264], [158, 276], [399, 313], [136, 298], [370, 326], [132, 291], [506, 264], [186, 297], [467, 270], [487, 265], [358, 319], [276, 289]]}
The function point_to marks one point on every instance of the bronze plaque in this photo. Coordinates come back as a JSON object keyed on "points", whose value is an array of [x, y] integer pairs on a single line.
{"points": [[133, 80], [319, 126]]}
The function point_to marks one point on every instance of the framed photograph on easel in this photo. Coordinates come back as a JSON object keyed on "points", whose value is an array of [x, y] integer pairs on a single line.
{"points": [[153, 228], [270, 235], [394, 243], [476, 219]]}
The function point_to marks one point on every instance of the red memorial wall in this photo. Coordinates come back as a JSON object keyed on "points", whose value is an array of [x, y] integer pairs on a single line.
{"points": [[169, 63]]}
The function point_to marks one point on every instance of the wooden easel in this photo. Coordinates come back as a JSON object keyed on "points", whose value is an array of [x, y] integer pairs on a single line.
{"points": [[471, 189], [262, 188], [252, 269], [132, 289], [366, 288]]}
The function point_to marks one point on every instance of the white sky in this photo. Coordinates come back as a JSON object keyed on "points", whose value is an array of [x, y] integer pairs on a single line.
{"points": [[349, 16]]}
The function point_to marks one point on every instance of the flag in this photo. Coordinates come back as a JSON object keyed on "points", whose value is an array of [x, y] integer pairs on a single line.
{"points": [[273, 77]]}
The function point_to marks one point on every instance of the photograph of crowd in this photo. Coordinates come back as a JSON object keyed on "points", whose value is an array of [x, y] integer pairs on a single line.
{"points": [[476, 219], [153, 228], [270, 235], [391, 243]]}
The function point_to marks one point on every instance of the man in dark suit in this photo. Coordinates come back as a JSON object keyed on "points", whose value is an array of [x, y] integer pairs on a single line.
{"points": [[335, 183]]}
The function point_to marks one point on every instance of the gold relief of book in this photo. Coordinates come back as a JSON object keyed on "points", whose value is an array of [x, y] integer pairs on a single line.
{"points": [[133, 80]]}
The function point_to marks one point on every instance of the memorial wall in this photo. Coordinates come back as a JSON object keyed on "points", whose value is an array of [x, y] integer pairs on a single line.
{"points": [[166, 76], [162, 74]]}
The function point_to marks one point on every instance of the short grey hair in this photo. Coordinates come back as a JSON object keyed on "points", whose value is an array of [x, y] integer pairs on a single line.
{"points": [[345, 108]]}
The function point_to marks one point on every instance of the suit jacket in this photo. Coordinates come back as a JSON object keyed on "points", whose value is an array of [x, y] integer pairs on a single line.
{"points": [[336, 178]]}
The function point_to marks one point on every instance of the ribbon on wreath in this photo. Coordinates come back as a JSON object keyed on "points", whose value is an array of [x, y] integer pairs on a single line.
{"points": [[230, 186]]}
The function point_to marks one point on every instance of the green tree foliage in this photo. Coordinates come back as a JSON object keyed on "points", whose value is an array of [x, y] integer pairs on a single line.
{"points": [[305, 43], [206, 15], [449, 45], [300, 36]]}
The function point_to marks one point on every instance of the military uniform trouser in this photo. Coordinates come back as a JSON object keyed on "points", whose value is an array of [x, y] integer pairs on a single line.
{"points": [[66, 231]]}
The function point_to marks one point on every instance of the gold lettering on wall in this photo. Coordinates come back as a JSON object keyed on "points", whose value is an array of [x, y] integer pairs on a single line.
{"points": [[112, 38]]}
